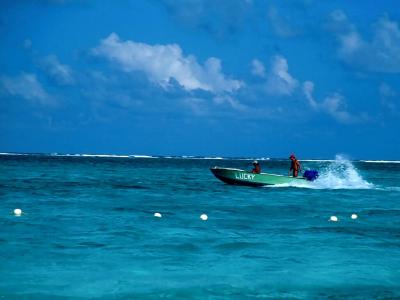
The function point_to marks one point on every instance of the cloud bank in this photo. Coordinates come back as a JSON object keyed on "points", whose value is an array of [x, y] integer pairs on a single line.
{"points": [[380, 54], [164, 63]]}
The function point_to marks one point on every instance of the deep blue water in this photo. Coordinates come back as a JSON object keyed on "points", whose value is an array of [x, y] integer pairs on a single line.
{"points": [[88, 230]]}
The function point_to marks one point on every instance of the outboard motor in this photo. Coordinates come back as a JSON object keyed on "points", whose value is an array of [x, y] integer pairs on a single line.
{"points": [[311, 175]]}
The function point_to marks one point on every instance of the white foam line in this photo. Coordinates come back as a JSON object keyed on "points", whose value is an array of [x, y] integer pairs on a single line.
{"points": [[100, 155], [317, 160], [382, 161], [105, 155], [251, 159], [199, 157], [90, 155]]}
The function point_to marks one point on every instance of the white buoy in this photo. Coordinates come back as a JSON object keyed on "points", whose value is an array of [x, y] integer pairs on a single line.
{"points": [[157, 215], [354, 216], [333, 219], [204, 217], [17, 212]]}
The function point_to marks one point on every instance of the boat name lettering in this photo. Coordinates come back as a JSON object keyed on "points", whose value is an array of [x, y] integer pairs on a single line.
{"points": [[244, 176]]}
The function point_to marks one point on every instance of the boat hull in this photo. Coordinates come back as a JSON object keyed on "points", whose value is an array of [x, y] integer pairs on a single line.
{"points": [[241, 177]]}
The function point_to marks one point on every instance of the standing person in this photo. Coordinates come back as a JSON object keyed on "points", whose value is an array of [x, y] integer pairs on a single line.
{"points": [[257, 168], [294, 166]]}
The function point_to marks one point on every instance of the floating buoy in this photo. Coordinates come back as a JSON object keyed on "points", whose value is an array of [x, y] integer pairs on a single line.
{"points": [[157, 215], [333, 219], [204, 217], [354, 216], [17, 212]]}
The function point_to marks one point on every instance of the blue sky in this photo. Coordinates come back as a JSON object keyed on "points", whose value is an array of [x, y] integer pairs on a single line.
{"points": [[201, 77]]}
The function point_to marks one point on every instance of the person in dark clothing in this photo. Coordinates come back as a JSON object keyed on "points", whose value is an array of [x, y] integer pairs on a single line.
{"points": [[257, 168], [295, 167]]}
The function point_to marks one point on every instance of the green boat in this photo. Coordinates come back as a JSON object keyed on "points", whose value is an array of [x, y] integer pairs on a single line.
{"points": [[242, 177]]}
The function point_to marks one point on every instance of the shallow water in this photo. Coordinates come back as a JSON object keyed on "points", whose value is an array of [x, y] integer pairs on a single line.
{"points": [[88, 230]]}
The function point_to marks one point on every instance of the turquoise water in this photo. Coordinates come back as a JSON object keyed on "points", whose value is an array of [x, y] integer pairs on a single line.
{"points": [[88, 230]]}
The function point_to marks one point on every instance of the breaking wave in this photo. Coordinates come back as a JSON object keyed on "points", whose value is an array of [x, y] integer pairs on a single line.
{"points": [[337, 174]]}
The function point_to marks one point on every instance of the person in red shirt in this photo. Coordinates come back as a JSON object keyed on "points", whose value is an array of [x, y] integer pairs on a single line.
{"points": [[257, 168], [295, 167]]}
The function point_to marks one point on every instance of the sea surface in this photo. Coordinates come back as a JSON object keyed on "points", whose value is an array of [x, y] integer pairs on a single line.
{"points": [[88, 230]]}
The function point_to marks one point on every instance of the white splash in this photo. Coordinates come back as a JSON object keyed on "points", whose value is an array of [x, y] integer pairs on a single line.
{"points": [[338, 174]]}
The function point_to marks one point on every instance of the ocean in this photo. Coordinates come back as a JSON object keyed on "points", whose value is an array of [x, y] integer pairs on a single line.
{"points": [[88, 230]]}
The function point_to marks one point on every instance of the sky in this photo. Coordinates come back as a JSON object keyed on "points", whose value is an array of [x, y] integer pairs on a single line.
{"points": [[201, 77]]}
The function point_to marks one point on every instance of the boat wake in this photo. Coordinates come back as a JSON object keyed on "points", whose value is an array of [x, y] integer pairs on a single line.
{"points": [[337, 174]]}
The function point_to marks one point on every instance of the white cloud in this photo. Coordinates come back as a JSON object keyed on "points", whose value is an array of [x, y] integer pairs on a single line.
{"points": [[58, 72], [334, 104], [279, 81], [351, 43], [26, 86], [308, 89], [257, 68], [336, 107], [380, 54], [163, 63]]}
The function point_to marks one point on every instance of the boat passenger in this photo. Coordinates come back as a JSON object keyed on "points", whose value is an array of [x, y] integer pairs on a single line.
{"points": [[257, 168], [294, 166]]}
